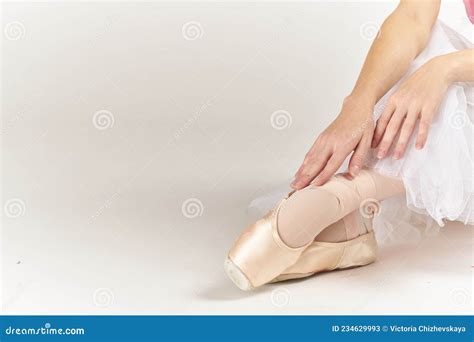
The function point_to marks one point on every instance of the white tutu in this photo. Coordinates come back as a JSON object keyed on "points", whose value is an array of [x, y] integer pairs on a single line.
{"points": [[439, 178]]}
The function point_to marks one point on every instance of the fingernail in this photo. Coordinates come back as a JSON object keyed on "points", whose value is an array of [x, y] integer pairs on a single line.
{"points": [[396, 156], [418, 146], [380, 155], [355, 170]]}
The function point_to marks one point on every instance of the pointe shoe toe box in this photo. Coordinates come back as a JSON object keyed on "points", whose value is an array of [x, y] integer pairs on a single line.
{"points": [[259, 255]]}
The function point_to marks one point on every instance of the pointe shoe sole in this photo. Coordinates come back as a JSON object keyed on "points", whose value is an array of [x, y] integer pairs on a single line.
{"points": [[237, 276]]}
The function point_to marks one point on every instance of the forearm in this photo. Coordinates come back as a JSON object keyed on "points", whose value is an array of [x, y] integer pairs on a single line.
{"points": [[457, 66], [402, 37]]}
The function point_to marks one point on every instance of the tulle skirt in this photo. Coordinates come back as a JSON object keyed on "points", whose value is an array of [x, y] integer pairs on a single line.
{"points": [[439, 179]]}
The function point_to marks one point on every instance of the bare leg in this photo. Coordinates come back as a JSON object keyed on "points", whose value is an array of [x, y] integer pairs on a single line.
{"points": [[309, 211]]}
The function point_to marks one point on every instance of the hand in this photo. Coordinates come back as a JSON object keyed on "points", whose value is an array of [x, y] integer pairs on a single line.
{"points": [[351, 131], [417, 99]]}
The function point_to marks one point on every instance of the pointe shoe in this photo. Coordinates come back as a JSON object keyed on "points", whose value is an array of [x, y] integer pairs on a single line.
{"points": [[327, 256], [260, 255]]}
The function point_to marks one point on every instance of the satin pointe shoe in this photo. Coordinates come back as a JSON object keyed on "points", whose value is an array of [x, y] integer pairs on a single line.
{"points": [[327, 256], [259, 255]]}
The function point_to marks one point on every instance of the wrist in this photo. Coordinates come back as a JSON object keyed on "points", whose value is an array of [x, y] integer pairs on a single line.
{"points": [[447, 67], [357, 103]]}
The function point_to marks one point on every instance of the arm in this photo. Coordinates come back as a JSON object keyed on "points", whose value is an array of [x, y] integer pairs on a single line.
{"points": [[402, 37]]}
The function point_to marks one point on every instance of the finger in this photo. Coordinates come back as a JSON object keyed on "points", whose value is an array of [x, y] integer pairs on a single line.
{"points": [[358, 157], [405, 135], [423, 131], [382, 123], [333, 164], [310, 169], [315, 150], [302, 166], [390, 132]]}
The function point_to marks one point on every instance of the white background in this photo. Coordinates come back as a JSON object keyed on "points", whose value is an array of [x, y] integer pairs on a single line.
{"points": [[101, 226]]}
